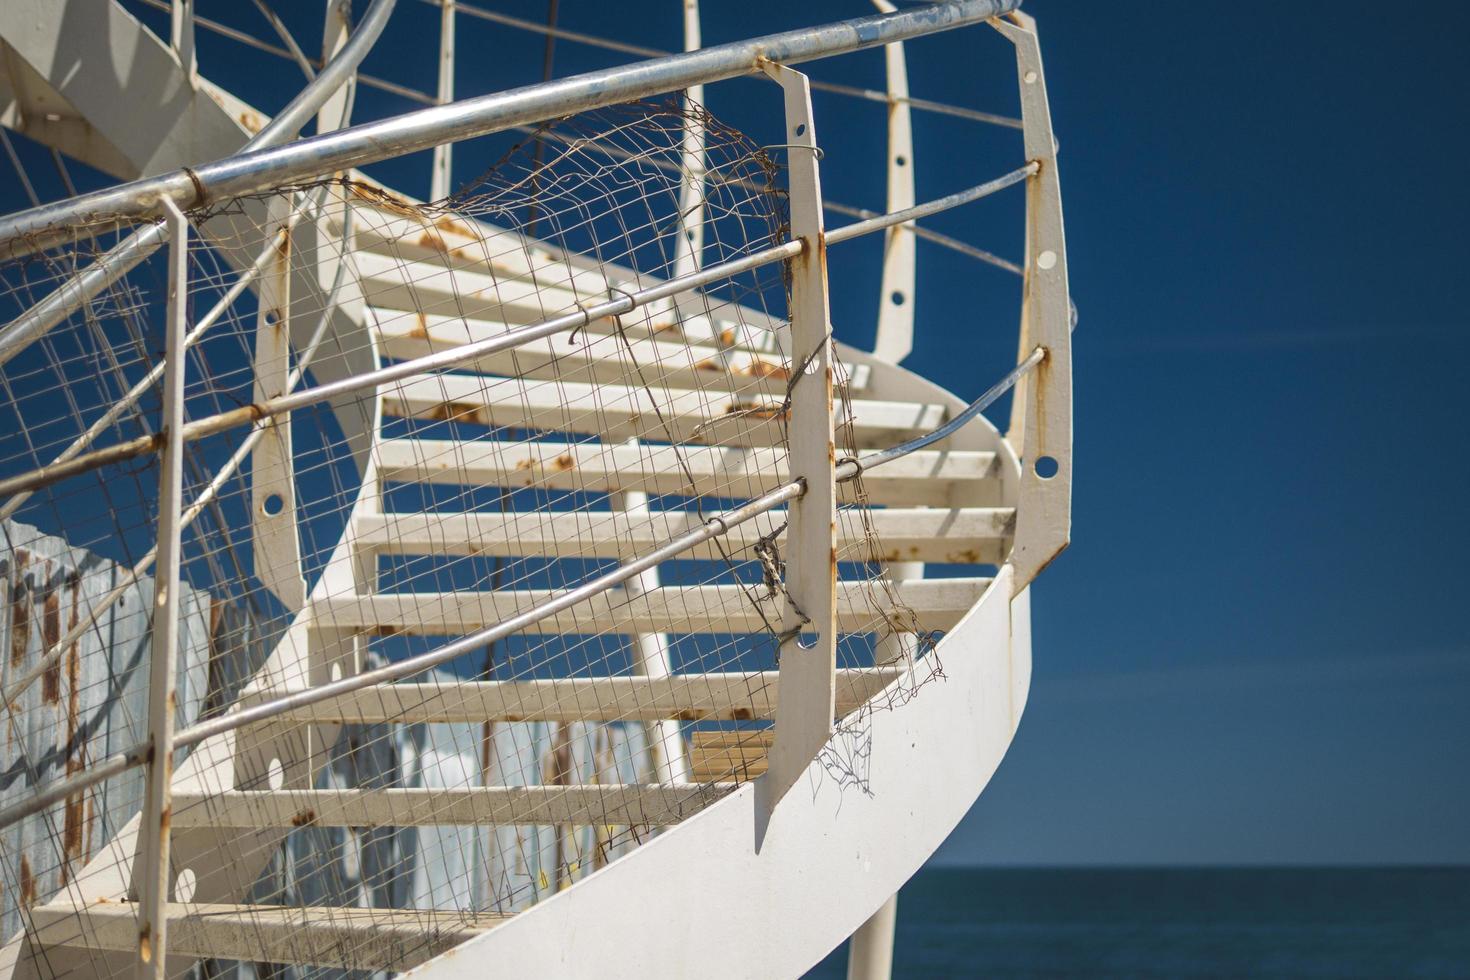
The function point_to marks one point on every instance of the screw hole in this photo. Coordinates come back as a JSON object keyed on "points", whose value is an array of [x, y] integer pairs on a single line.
{"points": [[272, 505], [901, 160], [897, 298], [800, 128], [1046, 467]]}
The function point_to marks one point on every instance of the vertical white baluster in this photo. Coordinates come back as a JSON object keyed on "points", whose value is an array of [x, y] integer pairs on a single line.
{"points": [[277, 547], [151, 879], [1041, 408], [439, 182], [809, 653], [181, 35]]}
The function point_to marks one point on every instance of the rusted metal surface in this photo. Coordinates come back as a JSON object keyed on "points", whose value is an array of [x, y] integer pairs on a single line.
{"points": [[808, 653], [89, 708]]}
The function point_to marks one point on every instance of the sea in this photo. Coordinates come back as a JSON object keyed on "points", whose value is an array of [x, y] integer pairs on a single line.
{"points": [[1180, 922]]}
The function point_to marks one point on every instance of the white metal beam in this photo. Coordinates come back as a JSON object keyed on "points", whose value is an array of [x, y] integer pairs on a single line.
{"points": [[682, 697], [896, 291], [481, 806], [1041, 418], [810, 620], [857, 607], [931, 477]]}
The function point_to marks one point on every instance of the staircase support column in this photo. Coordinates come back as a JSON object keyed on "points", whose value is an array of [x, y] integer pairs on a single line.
{"points": [[870, 951]]}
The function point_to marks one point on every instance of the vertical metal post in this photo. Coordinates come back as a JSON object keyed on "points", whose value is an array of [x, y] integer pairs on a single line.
{"points": [[870, 951], [809, 625], [665, 739], [274, 540], [1041, 408], [443, 153], [896, 296], [690, 246], [151, 872], [336, 31], [181, 34]]}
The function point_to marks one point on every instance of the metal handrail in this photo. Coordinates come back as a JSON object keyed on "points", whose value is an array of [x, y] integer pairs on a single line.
{"points": [[422, 129]]}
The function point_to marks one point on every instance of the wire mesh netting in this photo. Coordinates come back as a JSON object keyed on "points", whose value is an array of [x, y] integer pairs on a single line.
{"points": [[376, 829]]}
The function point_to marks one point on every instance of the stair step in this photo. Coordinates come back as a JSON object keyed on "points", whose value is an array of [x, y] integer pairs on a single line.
{"points": [[683, 697], [503, 256], [938, 603], [328, 936], [593, 357], [738, 755], [965, 535], [617, 412], [929, 477], [434, 287], [478, 806]]}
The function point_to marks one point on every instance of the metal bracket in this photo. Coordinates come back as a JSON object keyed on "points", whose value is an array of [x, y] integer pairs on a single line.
{"points": [[276, 546], [1041, 412], [809, 650]]}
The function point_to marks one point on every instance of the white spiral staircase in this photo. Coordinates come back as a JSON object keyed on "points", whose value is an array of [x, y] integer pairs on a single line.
{"points": [[757, 871]]}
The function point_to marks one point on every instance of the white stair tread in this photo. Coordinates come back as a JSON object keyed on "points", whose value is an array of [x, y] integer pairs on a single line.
{"points": [[938, 603], [681, 697], [965, 535], [332, 936], [476, 247], [619, 412], [433, 287], [928, 477], [592, 357], [484, 806]]}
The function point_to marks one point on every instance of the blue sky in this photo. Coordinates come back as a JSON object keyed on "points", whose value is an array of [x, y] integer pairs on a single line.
{"points": [[1256, 649]]}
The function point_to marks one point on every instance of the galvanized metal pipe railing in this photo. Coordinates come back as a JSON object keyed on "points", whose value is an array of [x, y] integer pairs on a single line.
{"points": [[423, 129], [644, 51], [624, 303]]}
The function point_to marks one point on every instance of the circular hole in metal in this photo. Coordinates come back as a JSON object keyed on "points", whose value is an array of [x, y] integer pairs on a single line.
{"points": [[807, 639], [1046, 467], [184, 885], [897, 298], [272, 505], [275, 774], [1046, 260], [800, 128], [901, 160]]}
